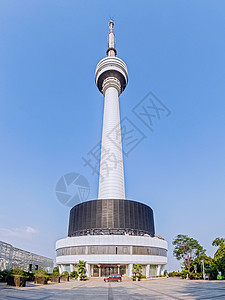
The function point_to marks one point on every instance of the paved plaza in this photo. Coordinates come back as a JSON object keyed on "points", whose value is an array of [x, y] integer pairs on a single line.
{"points": [[171, 288]]}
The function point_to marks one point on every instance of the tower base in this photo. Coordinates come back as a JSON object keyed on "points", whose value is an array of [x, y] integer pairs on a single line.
{"points": [[111, 235], [112, 254], [111, 216]]}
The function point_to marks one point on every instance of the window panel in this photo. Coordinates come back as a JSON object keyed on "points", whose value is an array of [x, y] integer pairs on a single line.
{"points": [[120, 250]]}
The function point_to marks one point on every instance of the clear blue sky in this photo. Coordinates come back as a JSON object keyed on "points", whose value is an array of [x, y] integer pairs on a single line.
{"points": [[51, 112]]}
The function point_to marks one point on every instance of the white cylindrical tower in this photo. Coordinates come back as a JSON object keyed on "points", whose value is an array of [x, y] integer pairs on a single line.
{"points": [[111, 79]]}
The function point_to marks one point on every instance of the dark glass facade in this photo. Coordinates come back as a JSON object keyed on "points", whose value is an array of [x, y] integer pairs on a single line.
{"points": [[111, 216]]}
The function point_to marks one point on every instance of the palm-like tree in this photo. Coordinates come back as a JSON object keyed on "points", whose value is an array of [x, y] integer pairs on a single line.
{"points": [[137, 269], [81, 268]]}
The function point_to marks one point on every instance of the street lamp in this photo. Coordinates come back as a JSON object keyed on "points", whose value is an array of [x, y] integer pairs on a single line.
{"points": [[203, 269], [195, 268]]}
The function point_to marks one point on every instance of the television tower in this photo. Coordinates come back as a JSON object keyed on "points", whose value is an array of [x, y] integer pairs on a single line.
{"points": [[112, 233]]}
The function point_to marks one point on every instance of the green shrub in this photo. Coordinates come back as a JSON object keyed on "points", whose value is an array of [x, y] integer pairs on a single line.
{"points": [[17, 273], [184, 274], [174, 274], [41, 273], [74, 274], [195, 275], [83, 276], [139, 276], [55, 274], [65, 273], [212, 273], [29, 276], [55, 270], [4, 275]]}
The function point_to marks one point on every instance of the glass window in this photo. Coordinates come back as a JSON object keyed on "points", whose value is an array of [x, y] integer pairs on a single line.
{"points": [[153, 270], [120, 250]]}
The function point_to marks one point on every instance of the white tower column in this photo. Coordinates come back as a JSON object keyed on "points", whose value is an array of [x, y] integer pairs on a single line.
{"points": [[111, 181]]}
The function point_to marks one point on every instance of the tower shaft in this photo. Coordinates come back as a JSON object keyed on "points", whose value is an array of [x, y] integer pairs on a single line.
{"points": [[111, 181]]}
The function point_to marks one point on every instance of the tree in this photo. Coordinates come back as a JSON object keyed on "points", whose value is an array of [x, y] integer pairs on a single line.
{"points": [[81, 269], [187, 249], [137, 269], [218, 242], [208, 262], [219, 256]]}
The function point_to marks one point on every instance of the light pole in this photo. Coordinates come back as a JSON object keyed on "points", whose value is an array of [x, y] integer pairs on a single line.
{"points": [[195, 268], [203, 269]]}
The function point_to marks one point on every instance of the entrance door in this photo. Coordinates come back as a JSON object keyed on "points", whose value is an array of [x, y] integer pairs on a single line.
{"points": [[109, 270]]}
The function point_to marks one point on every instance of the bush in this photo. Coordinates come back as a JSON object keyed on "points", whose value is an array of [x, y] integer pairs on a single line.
{"points": [[55, 273], [65, 273], [83, 277], [17, 273], [195, 275], [55, 279], [184, 274], [4, 275], [135, 277], [41, 273], [16, 280], [212, 273], [192, 276], [29, 276], [174, 274], [40, 280], [74, 275], [56, 270]]}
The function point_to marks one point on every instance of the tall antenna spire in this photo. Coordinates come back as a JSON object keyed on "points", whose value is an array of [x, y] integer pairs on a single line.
{"points": [[111, 51], [111, 25]]}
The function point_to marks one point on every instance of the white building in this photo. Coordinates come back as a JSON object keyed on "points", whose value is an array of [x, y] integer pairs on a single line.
{"points": [[15, 258], [111, 233]]}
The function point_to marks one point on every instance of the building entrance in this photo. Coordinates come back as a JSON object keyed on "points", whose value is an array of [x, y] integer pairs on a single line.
{"points": [[104, 270], [109, 270]]}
